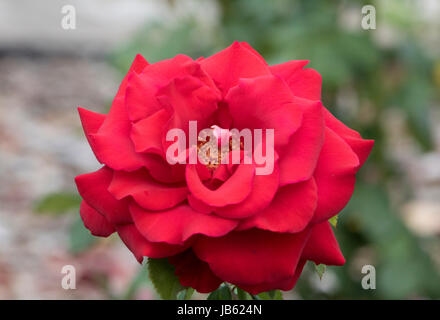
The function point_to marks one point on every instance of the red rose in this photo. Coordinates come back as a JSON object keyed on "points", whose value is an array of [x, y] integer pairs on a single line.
{"points": [[216, 223]]}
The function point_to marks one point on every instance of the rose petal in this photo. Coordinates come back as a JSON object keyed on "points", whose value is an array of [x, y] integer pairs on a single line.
{"points": [[176, 225], [94, 221], [360, 146], [252, 257], [148, 193], [138, 65], [93, 188], [299, 158], [264, 188], [164, 172], [187, 99], [233, 63], [335, 176], [198, 205], [193, 272], [147, 134], [113, 145], [142, 88], [253, 51], [322, 246], [140, 98], [91, 122], [290, 211], [306, 83], [287, 69], [141, 247], [284, 284], [232, 191], [265, 103]]}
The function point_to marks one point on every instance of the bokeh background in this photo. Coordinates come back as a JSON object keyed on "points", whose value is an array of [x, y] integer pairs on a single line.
{"points": [[384, 83]]}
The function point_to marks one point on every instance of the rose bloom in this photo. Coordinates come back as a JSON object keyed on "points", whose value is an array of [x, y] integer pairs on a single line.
{"points": [[221, 223]]}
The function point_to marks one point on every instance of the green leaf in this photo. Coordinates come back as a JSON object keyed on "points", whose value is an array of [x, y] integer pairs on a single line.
{"points": [[276, 295], [222, 293], [185, 294], [58, 203], [243, 295], [271, 295], [164, 280], [320, 269], [80, 238], [334, 221], [188, 293]]}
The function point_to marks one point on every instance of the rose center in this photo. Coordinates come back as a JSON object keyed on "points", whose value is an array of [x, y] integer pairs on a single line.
{"points": [[216, 146]]}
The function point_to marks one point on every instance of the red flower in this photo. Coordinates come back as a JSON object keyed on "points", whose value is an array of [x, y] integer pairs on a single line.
{"points": [[217, 224]]}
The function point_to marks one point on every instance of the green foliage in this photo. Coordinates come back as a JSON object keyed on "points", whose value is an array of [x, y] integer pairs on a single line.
{"points": [[164, 280], [185, 294], [271, 295], [404, 267], [222, 293], [58, 203], [334, 221], [243, 295], [320, 269]]}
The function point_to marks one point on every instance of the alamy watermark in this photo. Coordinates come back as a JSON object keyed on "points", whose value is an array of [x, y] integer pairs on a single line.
{"points": [[369, 280], [368, 17], [68, 282], [68, 21]]}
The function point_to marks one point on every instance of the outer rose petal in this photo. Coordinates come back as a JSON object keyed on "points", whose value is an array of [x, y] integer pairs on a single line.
{"points": [[306, 83], [113, 145], [252, 50], [93, 188], [232, 191], [285, 284], [148, 193], [141, 247], [252, 257], [290, 211], [322, 246], [298, 159], [233, 63], [139, 63], [360, 146], [194, 273], [91, 122], [265, 103], [287, 69], [335, 176], [94, 221], [175, 226]]}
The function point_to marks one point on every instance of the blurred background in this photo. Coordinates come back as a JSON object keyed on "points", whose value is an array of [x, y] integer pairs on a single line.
{"points": [[384, 83]]}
